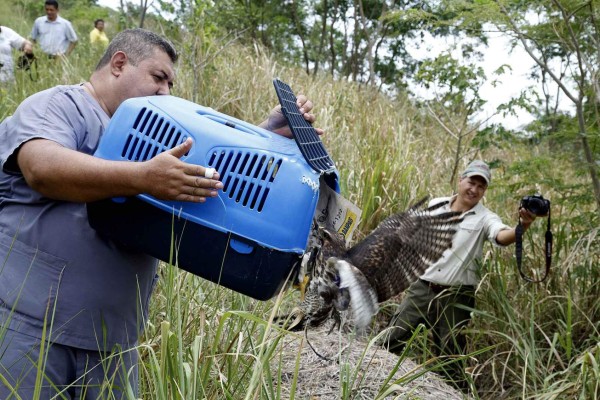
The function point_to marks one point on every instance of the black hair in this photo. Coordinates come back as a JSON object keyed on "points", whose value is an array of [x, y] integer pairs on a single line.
{"points": [[51, 3], [138, 44], [96, 22]]}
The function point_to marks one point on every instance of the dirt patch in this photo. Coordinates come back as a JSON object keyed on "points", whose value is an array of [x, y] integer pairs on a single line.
{"points": [[352, 366]]}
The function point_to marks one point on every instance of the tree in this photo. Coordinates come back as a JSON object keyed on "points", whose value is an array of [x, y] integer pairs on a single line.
{"points": [[562, 37], [571, 28], [353, 39], [455, 102]]}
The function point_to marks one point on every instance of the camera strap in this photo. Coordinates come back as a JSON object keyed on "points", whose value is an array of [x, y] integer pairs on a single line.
{"points": [[32, 66], [547, 250]]}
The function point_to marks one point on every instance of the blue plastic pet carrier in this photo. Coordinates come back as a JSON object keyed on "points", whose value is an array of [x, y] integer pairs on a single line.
{"points": [[253, 234]]}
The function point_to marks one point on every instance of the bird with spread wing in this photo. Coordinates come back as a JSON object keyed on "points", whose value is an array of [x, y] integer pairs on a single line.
{"points": [[382, 265]]}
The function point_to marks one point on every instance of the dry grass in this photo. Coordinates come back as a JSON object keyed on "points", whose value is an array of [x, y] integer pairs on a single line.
{"points": [[352, 366], [541, 338]]}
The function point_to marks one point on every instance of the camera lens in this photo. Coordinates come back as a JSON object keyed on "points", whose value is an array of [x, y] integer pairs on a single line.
{"points": [[535, 206]]}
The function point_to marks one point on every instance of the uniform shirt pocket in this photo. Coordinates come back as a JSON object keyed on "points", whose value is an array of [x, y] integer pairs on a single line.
{"points": [[29, 278], [471, 225]]}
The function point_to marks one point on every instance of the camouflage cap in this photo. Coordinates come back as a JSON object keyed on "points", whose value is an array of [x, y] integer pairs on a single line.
{"points": [[478, 168]]}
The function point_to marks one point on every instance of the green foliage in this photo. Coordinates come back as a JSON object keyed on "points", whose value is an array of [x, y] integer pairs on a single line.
{"points": [[493, 136], [527, 341], [272, 23], [458, 85]]}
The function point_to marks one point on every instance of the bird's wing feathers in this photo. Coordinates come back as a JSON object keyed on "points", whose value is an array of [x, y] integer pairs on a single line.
{"points": [[402, 247], [382, 265]]}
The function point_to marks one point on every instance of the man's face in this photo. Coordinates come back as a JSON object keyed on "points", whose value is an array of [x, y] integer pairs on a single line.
{"points": [[471, 189], [152, 76], [51, 12], [100, 26]]}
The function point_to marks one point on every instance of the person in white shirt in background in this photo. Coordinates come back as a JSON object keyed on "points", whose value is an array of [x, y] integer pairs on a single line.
{"points": [[55, 34], [444, 296], [9, 39]]}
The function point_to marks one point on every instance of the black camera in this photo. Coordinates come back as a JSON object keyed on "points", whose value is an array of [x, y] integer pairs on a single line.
{"points": [[536, 204], [25, 61]]}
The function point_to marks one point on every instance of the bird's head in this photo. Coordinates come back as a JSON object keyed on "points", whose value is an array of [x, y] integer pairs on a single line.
{"points": [[323, 244], [333, 244]]}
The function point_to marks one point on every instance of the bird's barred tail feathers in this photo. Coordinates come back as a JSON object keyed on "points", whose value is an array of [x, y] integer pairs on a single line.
{"points": [[363, 298]]}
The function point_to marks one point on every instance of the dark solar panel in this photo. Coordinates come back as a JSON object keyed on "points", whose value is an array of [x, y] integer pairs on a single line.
{"points": [[305, 135]]}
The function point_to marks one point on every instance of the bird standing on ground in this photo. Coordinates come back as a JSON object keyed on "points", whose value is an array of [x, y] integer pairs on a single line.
{"points": [[378, 267]]}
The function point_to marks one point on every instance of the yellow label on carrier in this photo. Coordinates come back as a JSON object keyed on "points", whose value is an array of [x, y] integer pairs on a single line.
{"points": [[348, 224]]}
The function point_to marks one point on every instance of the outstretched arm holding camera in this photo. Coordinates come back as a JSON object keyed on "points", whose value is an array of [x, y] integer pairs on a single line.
{"points": [[508, 236]]}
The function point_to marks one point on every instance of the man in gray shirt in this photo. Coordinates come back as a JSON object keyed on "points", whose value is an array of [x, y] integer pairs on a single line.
{"points": [[61, 284], [54, 33]]}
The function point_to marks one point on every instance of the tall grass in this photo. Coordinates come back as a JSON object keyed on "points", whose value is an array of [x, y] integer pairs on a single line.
{"points": [[527, 341], [540, 339], [545, 336]]}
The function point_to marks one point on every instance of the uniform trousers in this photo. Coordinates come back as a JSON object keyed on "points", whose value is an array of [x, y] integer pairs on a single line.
{"points": [[62, 372], [443, 309]]}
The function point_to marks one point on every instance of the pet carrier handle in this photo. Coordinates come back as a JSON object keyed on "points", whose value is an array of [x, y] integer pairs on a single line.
{"points": [[304, 134], [235, 125], [241, 247]]}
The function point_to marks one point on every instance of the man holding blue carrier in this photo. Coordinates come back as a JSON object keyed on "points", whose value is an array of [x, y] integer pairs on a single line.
{"points": [[55, 308]]}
